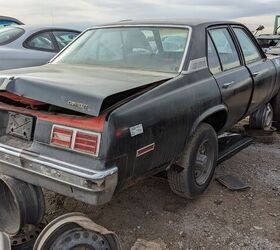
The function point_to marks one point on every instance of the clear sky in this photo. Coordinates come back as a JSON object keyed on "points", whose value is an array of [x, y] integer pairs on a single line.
{"points": [[250, 12]]}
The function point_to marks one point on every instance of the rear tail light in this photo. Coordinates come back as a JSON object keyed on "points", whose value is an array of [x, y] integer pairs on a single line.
{"points": [[75, 139], [62, 137], [85, 142]]}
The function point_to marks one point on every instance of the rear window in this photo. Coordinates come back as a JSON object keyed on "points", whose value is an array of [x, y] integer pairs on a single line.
{"points": [[7, 23], [8, 35]]}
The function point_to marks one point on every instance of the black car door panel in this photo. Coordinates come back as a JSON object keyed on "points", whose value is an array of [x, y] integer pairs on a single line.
{"points": [[233, 79], [262, 70]]}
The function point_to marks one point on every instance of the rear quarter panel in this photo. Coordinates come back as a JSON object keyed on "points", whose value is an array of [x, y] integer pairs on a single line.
{"points": [[167, 114]]}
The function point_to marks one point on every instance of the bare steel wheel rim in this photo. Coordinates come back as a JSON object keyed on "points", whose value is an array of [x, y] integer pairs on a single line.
{"points": [[268, 117], [79, 239], [204, 162]]}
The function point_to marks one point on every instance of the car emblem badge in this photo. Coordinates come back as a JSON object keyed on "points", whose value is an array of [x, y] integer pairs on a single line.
{"points": [[78, 105]]}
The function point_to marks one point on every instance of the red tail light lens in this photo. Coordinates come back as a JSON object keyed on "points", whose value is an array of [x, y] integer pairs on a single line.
{"points": [[75, 139], [86, 142], [62, 137]]}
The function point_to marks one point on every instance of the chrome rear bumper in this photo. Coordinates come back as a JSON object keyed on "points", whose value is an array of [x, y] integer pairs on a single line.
{"points": [[95, 187]]}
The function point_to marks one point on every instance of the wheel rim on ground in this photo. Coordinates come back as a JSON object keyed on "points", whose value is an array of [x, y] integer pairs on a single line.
{"points": [[204, 162], [78, 238], [268, 117]]}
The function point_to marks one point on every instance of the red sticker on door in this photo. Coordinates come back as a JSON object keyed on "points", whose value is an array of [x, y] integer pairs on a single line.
{"points": [[145, 149]]}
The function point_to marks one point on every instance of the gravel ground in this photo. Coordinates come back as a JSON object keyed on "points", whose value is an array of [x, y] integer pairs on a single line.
{"points": [[220, 219]]}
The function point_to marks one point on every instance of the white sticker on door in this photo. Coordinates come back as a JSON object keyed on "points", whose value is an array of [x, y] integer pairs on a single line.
{"points": [[136, 130]]}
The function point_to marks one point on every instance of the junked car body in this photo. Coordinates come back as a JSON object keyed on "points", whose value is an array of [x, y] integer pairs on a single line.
{"points": [[26, 46], [275, 50], [120, 103], [267, 40]]}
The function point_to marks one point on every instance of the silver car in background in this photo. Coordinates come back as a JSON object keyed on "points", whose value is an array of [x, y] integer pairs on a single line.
{"points": [[27, 46], [8, 21]]}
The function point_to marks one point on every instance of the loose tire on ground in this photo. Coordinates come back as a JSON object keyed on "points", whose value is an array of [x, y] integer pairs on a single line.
{"points": [[191, 175], [262, 118]]}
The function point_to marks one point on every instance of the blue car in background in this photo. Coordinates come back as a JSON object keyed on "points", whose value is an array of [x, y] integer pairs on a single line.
{"points": [[8, 21]]}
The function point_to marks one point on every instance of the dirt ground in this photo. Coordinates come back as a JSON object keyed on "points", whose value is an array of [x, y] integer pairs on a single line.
{"points": [[220, 219]]}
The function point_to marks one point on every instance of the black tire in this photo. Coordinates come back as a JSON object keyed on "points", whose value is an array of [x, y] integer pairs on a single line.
{"points": [[262, 118], [276, 107], [182, 176]]}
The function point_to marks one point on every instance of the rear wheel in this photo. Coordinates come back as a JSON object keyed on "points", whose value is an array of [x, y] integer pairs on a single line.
{"points": [[191, 175], [262, 118]]}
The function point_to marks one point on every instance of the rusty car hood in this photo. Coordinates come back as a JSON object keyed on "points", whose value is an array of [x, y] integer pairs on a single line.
{"points": [[78, 88]]}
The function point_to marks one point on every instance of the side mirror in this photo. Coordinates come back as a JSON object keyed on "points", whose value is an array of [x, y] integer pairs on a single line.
{"points": [[261, 27]]}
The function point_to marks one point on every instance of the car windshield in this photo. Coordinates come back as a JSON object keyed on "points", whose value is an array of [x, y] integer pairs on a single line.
{"points": [[143, 48], [8, 35]]}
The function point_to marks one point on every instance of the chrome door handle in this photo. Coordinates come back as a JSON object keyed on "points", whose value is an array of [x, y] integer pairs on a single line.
{"points": [[226, 85]]}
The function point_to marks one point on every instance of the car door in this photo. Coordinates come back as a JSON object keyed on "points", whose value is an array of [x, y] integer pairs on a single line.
{"points": [[40, 48], [262, 70], [232, 77]]}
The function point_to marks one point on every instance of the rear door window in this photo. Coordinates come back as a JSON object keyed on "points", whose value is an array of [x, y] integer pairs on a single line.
{"points": [[249, 49], [213, 59], [226, 49], [63, 38], [41, 41], [8, 35]]}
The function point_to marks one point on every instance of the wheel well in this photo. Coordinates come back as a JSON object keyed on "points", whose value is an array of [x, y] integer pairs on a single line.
{"points": [[217, 120]]}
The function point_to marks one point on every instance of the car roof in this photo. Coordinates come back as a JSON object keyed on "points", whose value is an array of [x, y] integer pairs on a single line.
{"points": [[37, 28], [175, 22], [11, 19]]}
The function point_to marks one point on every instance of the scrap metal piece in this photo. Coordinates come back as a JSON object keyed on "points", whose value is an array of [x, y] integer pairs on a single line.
{"points": [[230, 144], [26, 238], [232, 183], [20, 203], [4, 242]]}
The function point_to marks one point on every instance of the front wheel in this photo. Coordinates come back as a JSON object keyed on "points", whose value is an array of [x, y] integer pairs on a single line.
{"points": [[191, 175]]}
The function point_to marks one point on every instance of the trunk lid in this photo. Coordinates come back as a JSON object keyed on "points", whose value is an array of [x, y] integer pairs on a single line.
{"points": [[78, 88]]}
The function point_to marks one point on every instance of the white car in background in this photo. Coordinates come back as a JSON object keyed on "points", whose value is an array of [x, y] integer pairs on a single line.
{"points": [[275, 50], [27, 46]]}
